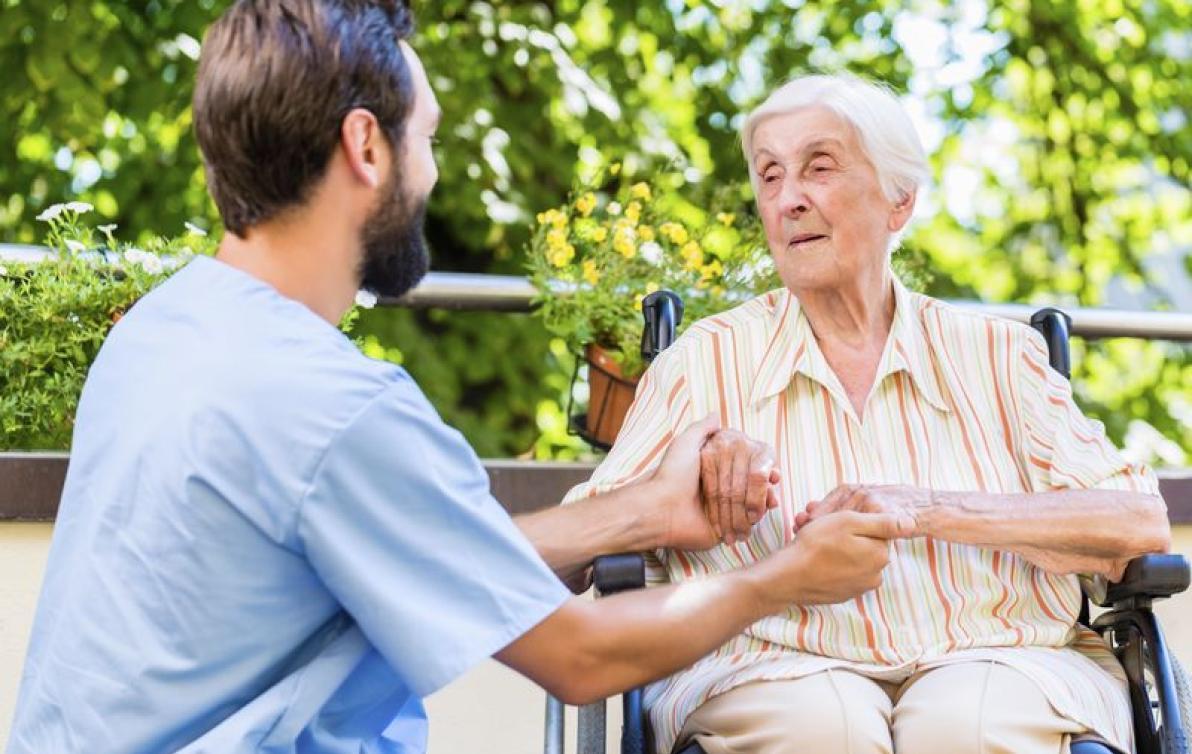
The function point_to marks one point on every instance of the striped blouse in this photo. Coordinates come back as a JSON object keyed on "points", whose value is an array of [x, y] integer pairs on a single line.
{"points": [[961, 401]]}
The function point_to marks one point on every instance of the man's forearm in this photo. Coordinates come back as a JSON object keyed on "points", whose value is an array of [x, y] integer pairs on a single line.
{"points": [[569, 537], [589, 650], [1089, 524]]}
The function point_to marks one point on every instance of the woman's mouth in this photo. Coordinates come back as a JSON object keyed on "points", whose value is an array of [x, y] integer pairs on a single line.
{"points": [[805, 239]]}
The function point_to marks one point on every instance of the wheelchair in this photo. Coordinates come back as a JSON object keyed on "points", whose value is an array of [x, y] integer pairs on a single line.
{"points": [[1160, 689]]}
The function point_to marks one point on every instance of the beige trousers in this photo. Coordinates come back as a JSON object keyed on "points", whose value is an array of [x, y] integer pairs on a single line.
{"points": [[967, 708]]}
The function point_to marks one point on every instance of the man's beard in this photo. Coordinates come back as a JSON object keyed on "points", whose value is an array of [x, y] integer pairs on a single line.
{"points": [[395, 254]]}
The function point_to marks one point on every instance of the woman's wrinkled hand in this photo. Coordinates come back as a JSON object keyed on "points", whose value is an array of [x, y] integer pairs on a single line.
{"points": [[871, 498], [737, 476]]}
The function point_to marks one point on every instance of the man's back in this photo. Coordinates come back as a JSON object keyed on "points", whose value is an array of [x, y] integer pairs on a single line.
{"points": [[182, 603]]}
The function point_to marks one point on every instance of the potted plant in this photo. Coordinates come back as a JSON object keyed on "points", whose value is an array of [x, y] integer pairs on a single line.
{"points": [[594, 259]]}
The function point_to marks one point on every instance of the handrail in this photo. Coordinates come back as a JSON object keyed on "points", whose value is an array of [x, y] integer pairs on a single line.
{"points": [[511, 293]]}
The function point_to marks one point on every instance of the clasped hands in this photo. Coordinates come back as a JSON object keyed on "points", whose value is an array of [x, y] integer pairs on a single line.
{"points": [[843, 540], [738, 482]]}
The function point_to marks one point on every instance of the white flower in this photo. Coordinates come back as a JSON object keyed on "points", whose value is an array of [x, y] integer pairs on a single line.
{"points": [[366, 299], [51, 212], [196, 230], [614, 208], [75, 246], [3, 271], [151, 263], [54, 210], [133, 255], [106, 228], [651, 252]]}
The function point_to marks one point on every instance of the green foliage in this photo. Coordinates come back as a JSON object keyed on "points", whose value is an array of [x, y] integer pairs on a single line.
{"points": [[55, 314], [1062, 160]]}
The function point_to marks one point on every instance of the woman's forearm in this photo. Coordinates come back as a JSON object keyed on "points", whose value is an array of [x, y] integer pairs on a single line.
{"points": [[1083, 526]]}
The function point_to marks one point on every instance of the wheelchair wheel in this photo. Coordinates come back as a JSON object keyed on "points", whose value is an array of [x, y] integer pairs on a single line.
{"points": [[1183, 690]]}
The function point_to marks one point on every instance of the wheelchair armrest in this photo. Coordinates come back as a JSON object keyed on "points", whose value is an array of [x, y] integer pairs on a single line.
{"points": [[618, 573], [1148, 577], [612, 574]]}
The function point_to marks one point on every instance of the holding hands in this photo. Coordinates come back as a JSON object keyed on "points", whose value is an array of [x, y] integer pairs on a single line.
{"points": [[905, 502], [842, 547], [737, 483]]}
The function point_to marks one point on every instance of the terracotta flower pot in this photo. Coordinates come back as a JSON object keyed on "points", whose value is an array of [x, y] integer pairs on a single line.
{"points": [[610, 394]]}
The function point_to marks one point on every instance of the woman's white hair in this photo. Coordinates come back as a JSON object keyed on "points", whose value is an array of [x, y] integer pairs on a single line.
{"points": [[884, 129]]}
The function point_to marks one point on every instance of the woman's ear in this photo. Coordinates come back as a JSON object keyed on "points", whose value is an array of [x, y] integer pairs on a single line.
{"points": [[365, 147], [902, 210]]}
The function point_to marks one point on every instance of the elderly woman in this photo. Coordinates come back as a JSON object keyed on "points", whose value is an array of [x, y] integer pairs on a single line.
{"points": [[870, 397]]}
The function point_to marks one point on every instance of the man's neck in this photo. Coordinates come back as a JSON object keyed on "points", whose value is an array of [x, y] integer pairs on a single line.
{"points": [[307, 261]]}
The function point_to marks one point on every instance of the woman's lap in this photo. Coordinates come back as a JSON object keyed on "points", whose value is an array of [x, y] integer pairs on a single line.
{"points": [[972, 707]]}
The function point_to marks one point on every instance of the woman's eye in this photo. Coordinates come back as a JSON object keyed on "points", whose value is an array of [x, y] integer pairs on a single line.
{"points": [[770, 177]]}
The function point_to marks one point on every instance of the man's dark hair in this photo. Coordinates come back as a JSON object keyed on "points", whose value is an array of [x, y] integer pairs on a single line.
{"points": [[275, 80]]}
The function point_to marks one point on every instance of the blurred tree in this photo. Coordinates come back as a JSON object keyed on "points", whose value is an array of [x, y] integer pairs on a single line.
{"points": [[1061, 148]]}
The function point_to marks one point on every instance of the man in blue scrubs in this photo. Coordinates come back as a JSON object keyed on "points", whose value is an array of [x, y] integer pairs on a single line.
{"points": [[270, 543]]}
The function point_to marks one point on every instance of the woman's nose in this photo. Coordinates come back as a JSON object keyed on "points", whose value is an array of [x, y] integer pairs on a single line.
{"points": [[793, 201]]}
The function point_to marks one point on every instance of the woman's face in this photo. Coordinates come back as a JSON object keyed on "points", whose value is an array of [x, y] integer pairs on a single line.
{"points": [[826, 218]]}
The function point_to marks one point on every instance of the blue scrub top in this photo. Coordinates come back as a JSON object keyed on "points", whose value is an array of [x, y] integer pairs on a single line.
{"points": [[267, 542]]}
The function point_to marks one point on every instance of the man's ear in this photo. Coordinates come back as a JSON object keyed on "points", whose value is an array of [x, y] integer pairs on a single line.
{"points": [[901, 212], [365, 147]]}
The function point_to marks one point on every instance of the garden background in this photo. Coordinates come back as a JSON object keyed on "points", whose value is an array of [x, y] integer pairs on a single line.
{"points": [[1058, 131]]}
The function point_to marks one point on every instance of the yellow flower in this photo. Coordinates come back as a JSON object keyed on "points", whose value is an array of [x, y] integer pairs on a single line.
{"points": [[692, 254], [640, 191], [625, 242], [634, 212], [711, 269], [675, 232], [651, 287], [599, 234], [637, 303], [645, 232], [556, 239], [586, 203], [552, 217], [562, 256], [726, 218], [614, 169], [591, 275]]}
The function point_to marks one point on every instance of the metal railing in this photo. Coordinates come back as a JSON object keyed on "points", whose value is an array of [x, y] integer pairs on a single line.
{"points": [[510, 293]]}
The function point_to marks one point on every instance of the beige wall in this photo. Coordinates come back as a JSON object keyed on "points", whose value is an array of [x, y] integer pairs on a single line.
{"points": [[490, 709]]}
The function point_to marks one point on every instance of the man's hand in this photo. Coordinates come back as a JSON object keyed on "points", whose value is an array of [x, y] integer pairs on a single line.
{"points": [[835, 557], [911, 502], [676, 486], [738, 476]]}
